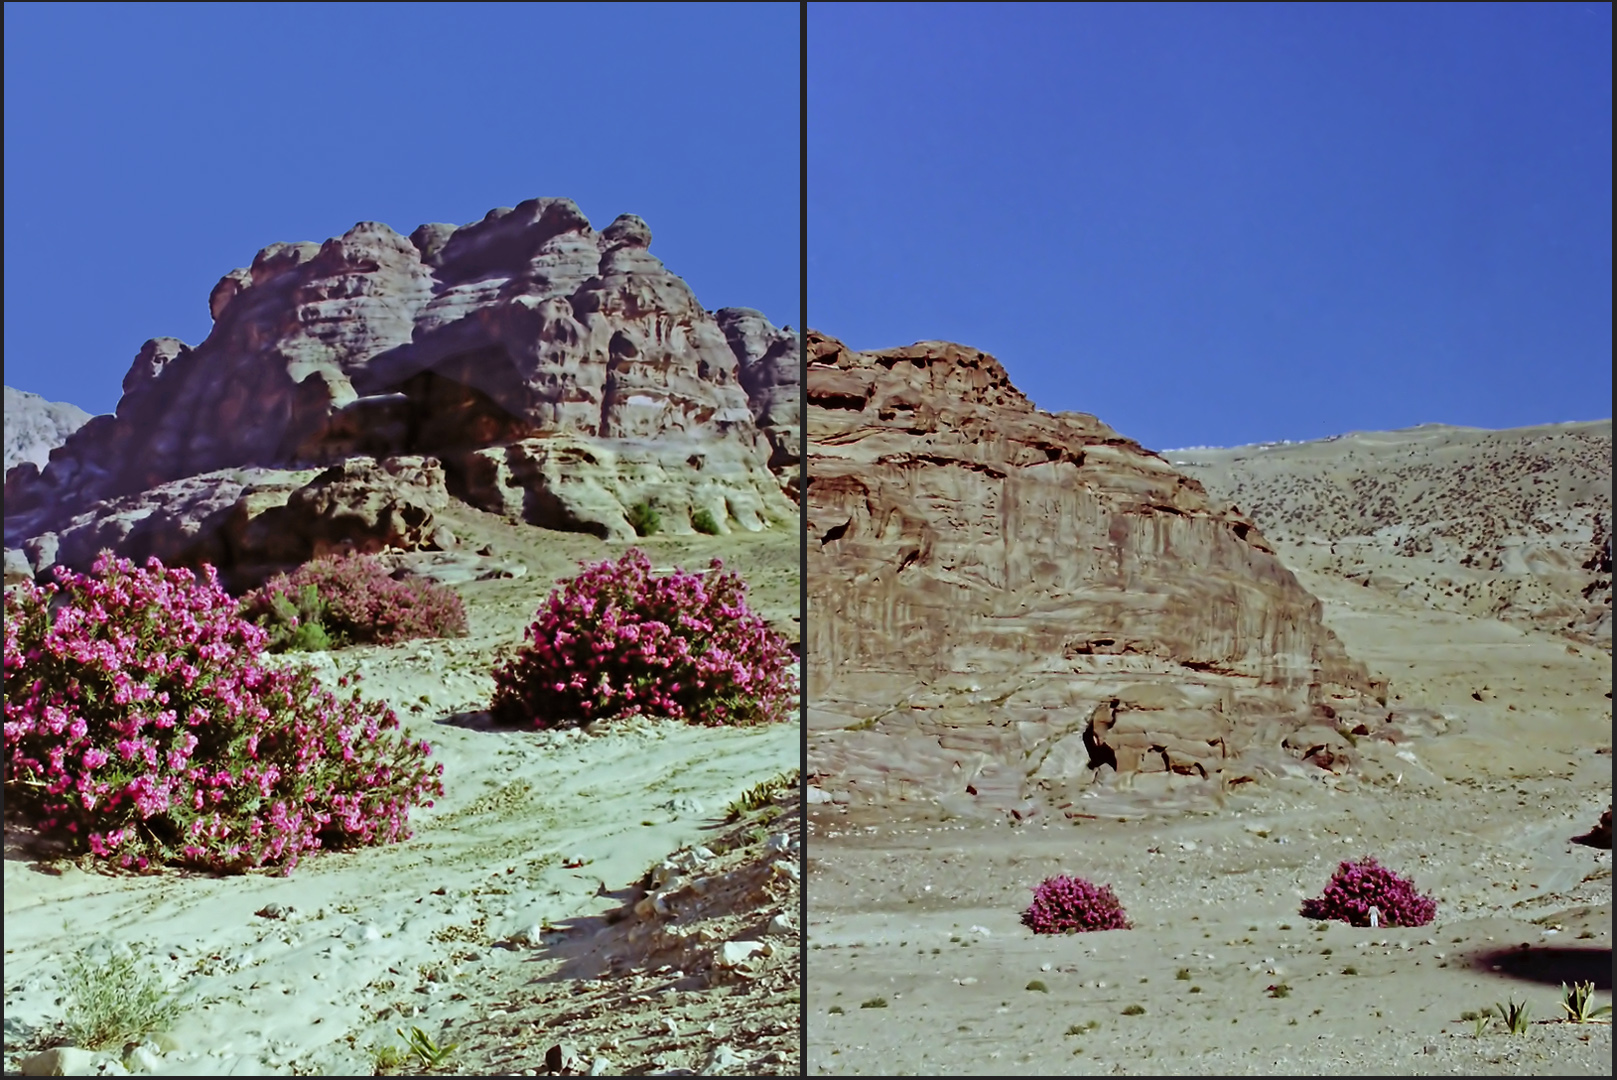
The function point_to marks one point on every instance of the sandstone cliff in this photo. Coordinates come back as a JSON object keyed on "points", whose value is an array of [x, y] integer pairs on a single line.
{"points": [[1007, 606], [34, 427], [524, 364]]}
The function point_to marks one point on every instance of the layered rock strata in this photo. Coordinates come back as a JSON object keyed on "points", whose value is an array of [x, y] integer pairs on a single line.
{"points": [[1007, 606], [525, 364]]}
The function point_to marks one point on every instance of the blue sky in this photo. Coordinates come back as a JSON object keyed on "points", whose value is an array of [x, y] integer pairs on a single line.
{"points": [[150, 148], [1220, 224]]}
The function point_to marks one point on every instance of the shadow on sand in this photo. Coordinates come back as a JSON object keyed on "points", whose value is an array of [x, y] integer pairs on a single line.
{"points": [[1551, 965]]}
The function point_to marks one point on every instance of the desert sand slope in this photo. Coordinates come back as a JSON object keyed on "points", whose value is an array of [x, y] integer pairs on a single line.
{"points": [[923, 914], [513, 907], [1514, 524]]}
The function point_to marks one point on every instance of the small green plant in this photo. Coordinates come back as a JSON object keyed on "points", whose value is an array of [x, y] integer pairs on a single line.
{"points": [[429, 1053], [874, 1003], [387, 1059], [1578, 1001], [644, 520], [703, 522], [1350, 970], [296, 625], [1183, 975], [112, 1002], [1480, 1022], [1516, 1017], [1134, 1010], [1195, 989], [762, 794], [1038, 986], [835, 1010]]}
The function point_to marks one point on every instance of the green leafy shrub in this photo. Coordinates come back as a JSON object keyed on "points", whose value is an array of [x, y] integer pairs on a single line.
{"points": [[703, 522], [351, 600], [644, 520], [295, 624]]}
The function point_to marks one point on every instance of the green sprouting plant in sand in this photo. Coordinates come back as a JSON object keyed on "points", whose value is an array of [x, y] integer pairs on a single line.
{"points": [[1578, 1002], [704, 522], [1516, 1017], [111, 1001], [427, 1052], [762, 794]]}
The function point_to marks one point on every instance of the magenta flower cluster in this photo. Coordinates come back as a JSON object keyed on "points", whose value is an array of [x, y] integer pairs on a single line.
{"points": [[142, 726], [617, 641], [1356, 887], [1070, 905], [360, 603]]}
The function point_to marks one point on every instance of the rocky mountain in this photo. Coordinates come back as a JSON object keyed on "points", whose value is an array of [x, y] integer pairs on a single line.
{"points": [[524, 364], [34, 427], [1007, 606], [1512, 524]]}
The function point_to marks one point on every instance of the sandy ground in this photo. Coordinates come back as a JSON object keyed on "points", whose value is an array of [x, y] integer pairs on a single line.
{"points": [[513, 907], [918, 963]]}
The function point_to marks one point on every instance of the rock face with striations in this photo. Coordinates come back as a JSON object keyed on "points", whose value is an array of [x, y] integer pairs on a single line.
{"points": [[524, 364], [1007, 606]]}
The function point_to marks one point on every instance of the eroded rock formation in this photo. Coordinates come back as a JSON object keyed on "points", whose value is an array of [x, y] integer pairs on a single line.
{"points": [[34, 427], [525, 363], [1008, 605]]}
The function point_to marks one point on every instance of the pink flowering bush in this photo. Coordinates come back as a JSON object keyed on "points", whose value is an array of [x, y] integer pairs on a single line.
{"points": [[1070, 905], [142, 726], [616, 641], [351, 599], [1356, 887]]}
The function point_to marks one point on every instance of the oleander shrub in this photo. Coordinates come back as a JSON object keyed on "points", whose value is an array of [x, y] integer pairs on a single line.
{"points": [[1070, 905], [1356, 887], [142, 726], [617, 641], [342, 600]]}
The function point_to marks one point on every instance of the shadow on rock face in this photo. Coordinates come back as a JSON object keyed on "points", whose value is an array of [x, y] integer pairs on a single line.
{"points": [[1551, 965]]}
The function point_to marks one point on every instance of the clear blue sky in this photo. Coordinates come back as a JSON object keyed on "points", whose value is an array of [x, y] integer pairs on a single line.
{"points": [[150, 148], [1219, 224]]}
